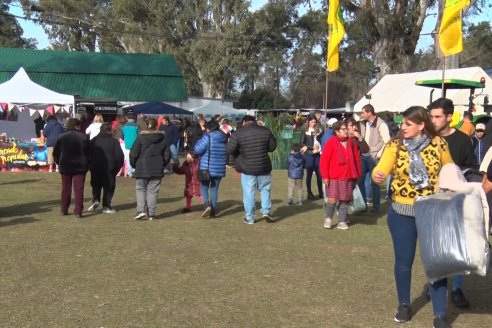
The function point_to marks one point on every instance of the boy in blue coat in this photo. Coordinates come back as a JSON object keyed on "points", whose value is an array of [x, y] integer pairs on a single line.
{"points": [[295, 167]]}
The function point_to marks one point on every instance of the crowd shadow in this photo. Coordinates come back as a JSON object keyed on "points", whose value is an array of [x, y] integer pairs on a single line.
{"points": [[287, 211], [16, 221], [28, 209], [19, 181]]}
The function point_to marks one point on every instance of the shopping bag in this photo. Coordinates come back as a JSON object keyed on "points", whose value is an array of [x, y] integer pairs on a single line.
{"points": [[452, 241], [358, 204]]}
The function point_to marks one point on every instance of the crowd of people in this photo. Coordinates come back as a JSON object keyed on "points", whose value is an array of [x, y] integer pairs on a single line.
{"points": [[342, 155]]}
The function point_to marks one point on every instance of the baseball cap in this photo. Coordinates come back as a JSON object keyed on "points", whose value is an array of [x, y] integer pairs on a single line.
{"points": [[480, 126], [332, 121]]}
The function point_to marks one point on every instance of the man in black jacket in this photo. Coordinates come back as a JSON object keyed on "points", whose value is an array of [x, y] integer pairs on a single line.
{"points": [[106, 161], [250, 145], [460, 145]]}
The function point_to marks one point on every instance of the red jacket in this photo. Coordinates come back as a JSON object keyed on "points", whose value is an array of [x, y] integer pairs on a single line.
{"points": [[336, 162], [190, 171]]}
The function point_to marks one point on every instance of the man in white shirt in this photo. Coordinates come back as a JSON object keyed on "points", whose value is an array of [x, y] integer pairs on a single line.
{"points": [[376, 133]]}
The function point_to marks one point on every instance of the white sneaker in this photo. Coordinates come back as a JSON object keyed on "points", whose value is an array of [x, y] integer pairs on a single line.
{"points": [[342, 226], [108, 210], [151, 218], [327, 224], [93, 207], [140, 216]]}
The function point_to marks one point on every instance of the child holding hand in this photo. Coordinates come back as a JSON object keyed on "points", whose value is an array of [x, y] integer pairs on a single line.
{"points": [[189, 169]]}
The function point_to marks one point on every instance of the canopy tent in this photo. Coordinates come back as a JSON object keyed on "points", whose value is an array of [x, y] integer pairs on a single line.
{"points": [[158, 108], [214, 108], [21, 90], [397, 92]]}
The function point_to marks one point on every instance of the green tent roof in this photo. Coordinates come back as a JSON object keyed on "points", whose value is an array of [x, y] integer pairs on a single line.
{"points": [[122, 77]]}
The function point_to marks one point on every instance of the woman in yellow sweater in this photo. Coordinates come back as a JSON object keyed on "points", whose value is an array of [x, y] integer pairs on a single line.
{"points": [[414, 158]]}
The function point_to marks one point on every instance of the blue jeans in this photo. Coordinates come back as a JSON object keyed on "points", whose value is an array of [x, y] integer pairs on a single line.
{"points": [[213, 187], [249, 184], [367, 164], [404, 235], [174, 154]]}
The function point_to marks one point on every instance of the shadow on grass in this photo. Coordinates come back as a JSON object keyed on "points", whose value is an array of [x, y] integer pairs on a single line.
{"points": [[474, 289], [421, 300], [15, 221], [286, 211], [28, 208], [365, 218], [133, 205], [19, 182], [477, 291]]}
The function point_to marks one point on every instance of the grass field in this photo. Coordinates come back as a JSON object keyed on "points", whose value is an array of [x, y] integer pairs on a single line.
{"points": [[185, 271]]}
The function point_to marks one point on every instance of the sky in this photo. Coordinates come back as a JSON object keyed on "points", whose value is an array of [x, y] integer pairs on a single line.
{"points": [[35, 31]]}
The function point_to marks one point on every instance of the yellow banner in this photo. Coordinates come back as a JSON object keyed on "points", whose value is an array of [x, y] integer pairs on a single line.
{"points": [[450, 31], [336, 31]]}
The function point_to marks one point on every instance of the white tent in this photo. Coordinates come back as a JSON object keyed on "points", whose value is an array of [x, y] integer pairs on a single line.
{"points": [[21, 90], [214, 108], [397, 92]]}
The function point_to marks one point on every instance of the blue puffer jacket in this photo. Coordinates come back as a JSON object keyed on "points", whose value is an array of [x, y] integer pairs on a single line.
{"points": [[218, 155], [295, 166]]}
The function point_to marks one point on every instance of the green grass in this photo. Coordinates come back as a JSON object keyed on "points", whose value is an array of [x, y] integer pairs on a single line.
{"points": [[185, 271]]}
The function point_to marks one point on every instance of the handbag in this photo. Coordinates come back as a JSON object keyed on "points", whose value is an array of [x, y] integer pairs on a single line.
{"points": [[204, 174]]}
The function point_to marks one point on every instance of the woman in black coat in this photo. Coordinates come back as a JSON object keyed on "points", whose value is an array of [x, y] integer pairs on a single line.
{"points": [[71, 153], [106, 161], [149, 156]]}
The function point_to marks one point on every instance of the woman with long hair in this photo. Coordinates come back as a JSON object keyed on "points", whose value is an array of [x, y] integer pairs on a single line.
{"points": [[94, 128], [340, 169], [310, 148], [415, 158]]}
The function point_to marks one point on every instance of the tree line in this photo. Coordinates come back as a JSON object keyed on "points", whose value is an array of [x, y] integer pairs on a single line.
{"points": [[273, 57]]}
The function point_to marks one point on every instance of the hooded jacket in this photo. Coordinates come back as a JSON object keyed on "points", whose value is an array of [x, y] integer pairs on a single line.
{"points": [[295, 165], [190, 171], [52, 131], [149, 155], [106, 154]]}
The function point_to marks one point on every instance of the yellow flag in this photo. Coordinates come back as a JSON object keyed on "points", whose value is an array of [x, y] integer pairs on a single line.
{"points": [[450, 34], [336, 31]]}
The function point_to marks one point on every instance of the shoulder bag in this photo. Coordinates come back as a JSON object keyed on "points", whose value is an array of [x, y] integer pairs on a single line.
{"points": [[204, 174]]}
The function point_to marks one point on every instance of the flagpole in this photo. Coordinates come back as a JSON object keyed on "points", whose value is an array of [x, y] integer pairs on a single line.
{"points": [[326, 94], [443, 91]]}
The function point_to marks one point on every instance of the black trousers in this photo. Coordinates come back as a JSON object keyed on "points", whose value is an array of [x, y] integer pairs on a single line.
{"points": [[105, 181]]}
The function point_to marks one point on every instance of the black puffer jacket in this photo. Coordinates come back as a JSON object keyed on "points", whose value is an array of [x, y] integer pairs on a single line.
{"points": [[251, 145], [106, 154], [149, 155], [71, 152]]}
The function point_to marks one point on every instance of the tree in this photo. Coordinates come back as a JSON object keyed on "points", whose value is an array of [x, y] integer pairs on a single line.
{"points": [[391, 30], [10, 30], [477, 46]]}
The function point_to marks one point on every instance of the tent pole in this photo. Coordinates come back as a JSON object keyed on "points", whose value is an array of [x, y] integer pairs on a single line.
{"points": [[443, 91]]}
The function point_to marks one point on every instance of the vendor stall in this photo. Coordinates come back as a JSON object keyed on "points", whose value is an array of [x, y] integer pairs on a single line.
{"points": [[24, 105]]}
